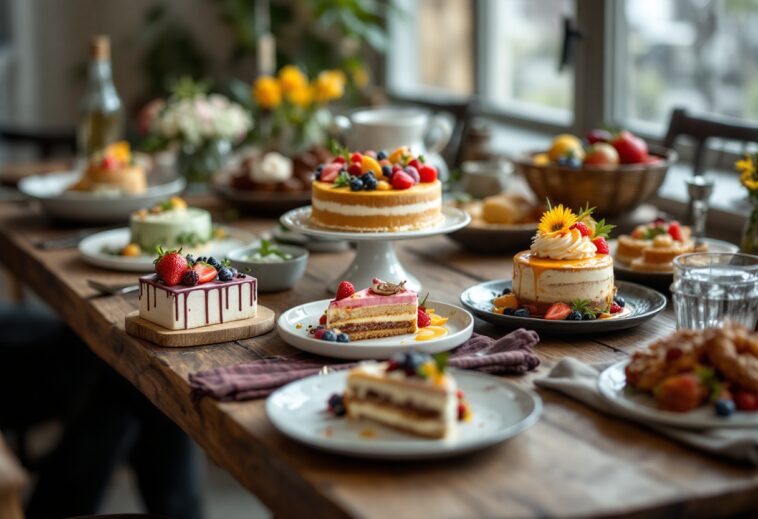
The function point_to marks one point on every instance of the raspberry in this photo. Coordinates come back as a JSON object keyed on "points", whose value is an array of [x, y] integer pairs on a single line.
{"points": [[355, 169], [346, 289], [583, 229], [356, 157], [615, 308], [401, 180], [319, 333], [675, 230], [423, 318], [427, 173], [601, 245], [322, 320]]}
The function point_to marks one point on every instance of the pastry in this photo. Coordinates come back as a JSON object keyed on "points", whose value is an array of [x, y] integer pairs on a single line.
{"points": [[171, 224], [113, 171], [411, 392], [376, 192], [653, 247], [186, 293]]}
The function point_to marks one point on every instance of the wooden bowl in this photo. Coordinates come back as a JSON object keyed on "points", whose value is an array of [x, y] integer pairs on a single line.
{"points": [[611, 190]]}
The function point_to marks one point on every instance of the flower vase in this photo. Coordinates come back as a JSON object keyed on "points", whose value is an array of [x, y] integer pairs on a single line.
{"points": [[749, 242], [198, 163]]}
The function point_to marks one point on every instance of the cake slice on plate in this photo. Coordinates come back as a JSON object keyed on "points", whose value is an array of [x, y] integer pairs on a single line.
{"points": [[382, 310], [411, 392]]}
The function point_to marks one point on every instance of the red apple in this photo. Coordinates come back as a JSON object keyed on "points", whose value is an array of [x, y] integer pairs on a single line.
{"points": [[598, 135], [601, 154], [631, 149]]}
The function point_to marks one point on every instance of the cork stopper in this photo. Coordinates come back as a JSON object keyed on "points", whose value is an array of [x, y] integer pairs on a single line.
{"points": [[101, 47]]}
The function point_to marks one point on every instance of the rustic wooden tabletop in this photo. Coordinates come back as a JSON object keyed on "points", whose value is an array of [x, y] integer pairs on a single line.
{"points": [[573, 462]]}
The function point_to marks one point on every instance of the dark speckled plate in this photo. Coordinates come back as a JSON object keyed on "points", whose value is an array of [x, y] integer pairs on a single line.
{"points": [[642, 303]]}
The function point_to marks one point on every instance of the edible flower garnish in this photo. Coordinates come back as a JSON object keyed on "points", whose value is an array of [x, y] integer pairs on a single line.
{"points": [[557, 219]]}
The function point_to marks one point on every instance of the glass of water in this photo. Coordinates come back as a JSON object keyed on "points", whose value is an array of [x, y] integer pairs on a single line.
{"points": [[711, 287]]}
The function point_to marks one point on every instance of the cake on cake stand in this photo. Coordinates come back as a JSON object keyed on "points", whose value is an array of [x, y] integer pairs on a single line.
{"points": [[375, 252]]}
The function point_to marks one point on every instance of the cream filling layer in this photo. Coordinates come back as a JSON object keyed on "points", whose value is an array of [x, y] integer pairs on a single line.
{"points": [[395, 417], [402, 394], [374, 319], [364, 210]]}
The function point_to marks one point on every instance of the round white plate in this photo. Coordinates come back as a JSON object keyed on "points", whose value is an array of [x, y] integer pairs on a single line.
{"points": [[460, 325], [612, 385], [50, 190], [300, 220], [93, 249], [500, 410]]}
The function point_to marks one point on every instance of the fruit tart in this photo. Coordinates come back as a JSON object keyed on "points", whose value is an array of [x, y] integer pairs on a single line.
{"points": [[653, 247], [113, 171]]}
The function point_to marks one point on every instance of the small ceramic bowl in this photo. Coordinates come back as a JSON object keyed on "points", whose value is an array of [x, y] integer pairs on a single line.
{"points": [[274, 276]]}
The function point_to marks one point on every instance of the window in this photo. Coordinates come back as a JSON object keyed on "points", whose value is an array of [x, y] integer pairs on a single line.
{"points": [[702, 55]]}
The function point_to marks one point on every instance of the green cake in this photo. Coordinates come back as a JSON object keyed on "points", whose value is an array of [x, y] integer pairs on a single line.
{"points": [[171, 224]]}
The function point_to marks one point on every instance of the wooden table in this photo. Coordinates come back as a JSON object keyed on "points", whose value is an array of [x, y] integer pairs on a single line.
{"points": [[13, 479], [574, 462]]}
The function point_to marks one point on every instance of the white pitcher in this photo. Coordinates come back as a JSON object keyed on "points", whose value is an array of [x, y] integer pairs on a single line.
{"points": [[388, 128]]}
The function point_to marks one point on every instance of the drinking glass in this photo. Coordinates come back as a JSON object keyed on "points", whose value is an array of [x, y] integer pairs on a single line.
{"points": [[711, 287]]}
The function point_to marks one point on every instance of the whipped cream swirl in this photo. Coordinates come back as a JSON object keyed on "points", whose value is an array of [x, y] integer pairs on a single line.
{"points": [[569, 245]]}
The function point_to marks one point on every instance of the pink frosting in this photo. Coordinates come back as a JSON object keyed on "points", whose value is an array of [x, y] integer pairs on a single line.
{"points": [[366, 297]]}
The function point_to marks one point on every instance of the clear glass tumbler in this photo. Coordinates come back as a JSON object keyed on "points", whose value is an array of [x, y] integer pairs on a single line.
{"points": [[711, 287]]}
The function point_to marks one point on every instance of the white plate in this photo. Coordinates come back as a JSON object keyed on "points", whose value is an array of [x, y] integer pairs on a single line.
{"points": [[460, 325], [92, 249], [300, 220], [612, 385], [500, 409], [50, 190]]}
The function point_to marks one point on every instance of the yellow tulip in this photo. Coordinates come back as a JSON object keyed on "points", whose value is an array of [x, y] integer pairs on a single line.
{"points": [[301, 97], [267, 92], [329, 85], [292, 79]]}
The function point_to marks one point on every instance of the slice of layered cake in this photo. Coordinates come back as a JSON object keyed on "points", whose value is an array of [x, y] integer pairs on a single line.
{"points": [[382, 310], [411, 392]]}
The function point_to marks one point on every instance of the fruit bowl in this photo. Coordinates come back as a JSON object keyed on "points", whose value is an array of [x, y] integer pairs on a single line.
{"points": [[612, 190]]}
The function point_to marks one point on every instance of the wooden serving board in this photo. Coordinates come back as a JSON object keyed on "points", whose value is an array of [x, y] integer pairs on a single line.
{"points": [[216, 333]]}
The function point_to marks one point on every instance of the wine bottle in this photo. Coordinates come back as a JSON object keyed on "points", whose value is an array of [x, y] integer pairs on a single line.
{"points": [[102, 119]]}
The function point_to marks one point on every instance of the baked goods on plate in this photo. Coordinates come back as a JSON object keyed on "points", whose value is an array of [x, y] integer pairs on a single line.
{"points": [[370, 192], [653, 247], [113, 170], [411, 392], [187, 292]]}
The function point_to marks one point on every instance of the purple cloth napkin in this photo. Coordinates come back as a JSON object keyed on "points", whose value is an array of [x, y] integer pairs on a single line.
{"points": [[511, 354]]}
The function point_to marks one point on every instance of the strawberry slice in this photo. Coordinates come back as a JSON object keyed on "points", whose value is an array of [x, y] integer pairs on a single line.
{"points": [[330, 172], [205, 272], [558, 312]]}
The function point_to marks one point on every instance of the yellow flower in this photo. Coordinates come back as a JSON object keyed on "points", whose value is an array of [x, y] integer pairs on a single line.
{"points": [[749, 180], [557, 219], [267, 92], [301, 97], [329, 85], [292, 79], [745, 165]]}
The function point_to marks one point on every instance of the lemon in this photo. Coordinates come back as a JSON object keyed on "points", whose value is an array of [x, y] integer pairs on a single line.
{"points": [[566, 145]]}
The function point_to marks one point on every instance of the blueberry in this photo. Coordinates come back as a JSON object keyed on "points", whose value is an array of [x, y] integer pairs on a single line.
{"points": [[213, 262], [234, 271], [563, 161], [319, 168], [356, 184], [381, 155], [369, 183], [317, 176], [505, 291], [202, 259], [509, 311], [336, 404], [620, 301], [343, 337], [368, 174], [329, 336], [574, 316], [225, 274], [725, 407], [588, 317], [387, 171], [190, 259], [521, 312], [574, 162]]}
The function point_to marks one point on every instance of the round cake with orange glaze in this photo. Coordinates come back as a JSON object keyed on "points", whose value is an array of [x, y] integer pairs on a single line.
{"points": [[376, 192], [568, 262]]}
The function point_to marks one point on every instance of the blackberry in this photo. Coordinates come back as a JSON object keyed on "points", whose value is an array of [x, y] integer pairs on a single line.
{"points": [[190, 278]]}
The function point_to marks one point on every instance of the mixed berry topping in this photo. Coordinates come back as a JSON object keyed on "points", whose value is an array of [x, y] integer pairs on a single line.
{"points": [[173, 269]]}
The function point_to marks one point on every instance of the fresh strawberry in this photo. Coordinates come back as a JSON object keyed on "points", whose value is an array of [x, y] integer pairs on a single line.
{"points": [[330, 172], [558, 312], [205, 272], [355, 169], [423, 318], [427, 173], [110, 162], [345, 289], [746, 401], [170, 266], [680, 393], [601, 245], [402, 180], [322, 320], [583, 229], [339, 159], [356, 157], [615, 308], [675, 230]]}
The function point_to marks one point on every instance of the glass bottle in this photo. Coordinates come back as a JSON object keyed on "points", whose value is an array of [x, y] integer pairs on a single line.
{"points": [[102, 120]]}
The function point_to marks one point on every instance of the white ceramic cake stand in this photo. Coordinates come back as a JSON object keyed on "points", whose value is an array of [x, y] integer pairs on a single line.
{"points": [[375, 252]]}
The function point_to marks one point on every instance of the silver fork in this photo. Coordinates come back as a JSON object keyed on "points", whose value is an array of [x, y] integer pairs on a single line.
{"points": [[112, 290]]}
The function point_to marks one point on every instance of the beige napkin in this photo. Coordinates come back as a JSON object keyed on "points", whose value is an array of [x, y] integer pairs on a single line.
{"points": [[579, 381]]}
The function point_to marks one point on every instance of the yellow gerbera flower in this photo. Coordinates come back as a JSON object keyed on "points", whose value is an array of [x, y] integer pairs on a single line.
{"points": [[292, 79], [301, 97], [267, 92], [557, 219], [745, 165]]}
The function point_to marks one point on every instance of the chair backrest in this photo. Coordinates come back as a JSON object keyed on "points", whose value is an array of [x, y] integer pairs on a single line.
{"points": [[45, 142], [702, 128]]}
